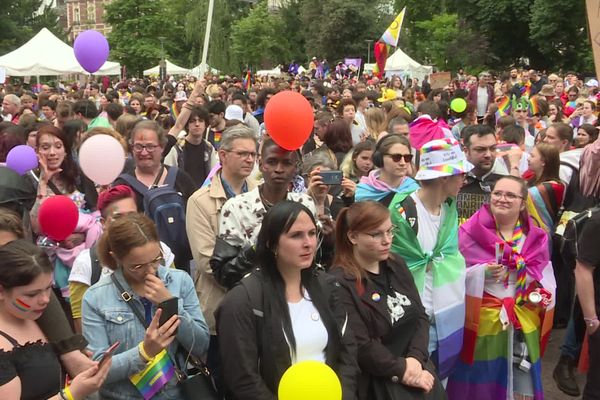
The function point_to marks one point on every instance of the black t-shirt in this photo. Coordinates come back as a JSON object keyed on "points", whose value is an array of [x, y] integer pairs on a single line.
{"points": [[589, 251], [196, 160], [474, 193]]}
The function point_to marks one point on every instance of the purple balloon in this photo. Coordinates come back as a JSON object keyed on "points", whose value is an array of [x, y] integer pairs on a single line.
{"points": [[91, 50], [21, 159]]}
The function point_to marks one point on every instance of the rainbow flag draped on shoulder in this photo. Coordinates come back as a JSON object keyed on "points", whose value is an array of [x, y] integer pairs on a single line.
{"points": [[543, 204], [448, 267], [485, 368]]}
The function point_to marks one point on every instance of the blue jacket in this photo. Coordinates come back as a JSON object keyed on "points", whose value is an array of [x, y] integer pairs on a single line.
{"points": [[108, 318]]}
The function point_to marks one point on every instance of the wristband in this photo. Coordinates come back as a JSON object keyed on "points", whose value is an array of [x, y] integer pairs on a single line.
{"points": [[62, 394], [143, 353], [68, 394], [590, 322]]}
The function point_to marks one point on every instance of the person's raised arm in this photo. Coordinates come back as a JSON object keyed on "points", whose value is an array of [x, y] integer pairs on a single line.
{"points": [[186, 109]]}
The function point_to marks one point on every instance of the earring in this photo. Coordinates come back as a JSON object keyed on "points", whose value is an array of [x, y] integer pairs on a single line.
{"points": [[275, 253]]}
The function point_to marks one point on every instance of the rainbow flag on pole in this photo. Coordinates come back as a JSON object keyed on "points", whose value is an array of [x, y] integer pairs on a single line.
{"points": [[156, 375], [247, 80]]}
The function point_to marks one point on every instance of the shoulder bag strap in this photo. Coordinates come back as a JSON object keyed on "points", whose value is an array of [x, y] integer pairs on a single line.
{"points": [[54, 188], [160, 173], [125, 295]]}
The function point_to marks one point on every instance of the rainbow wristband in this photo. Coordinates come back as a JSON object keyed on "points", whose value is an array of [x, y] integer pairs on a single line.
{"points": [[68, 394]]}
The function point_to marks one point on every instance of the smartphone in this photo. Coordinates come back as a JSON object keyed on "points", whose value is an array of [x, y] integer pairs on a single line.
{"points": [[331, 177], [108, 353], [169, 308]]}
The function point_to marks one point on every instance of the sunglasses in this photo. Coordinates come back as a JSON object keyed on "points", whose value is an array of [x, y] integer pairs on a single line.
{"points": [[397, 157]]}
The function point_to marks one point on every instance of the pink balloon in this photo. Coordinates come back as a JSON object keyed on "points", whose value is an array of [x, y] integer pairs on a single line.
{"points": [[101, 158]]}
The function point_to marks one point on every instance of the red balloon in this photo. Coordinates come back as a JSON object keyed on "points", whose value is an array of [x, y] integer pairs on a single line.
{"points": [[58, 217], [289, 119]]}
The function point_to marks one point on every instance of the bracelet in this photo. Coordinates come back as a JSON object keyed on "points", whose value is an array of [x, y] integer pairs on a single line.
{"points": [[62, 394], [68, 394], [143, 353]]}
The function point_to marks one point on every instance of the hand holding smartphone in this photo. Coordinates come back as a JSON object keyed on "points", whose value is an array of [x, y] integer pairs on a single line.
{"points": [[169, 308], [108, 353]]}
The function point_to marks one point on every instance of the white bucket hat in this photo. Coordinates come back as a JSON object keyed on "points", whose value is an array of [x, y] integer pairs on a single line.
{"points": [[442, 157]]}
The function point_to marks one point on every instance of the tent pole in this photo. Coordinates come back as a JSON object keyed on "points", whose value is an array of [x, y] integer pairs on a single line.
{"points": [[203, 64]]}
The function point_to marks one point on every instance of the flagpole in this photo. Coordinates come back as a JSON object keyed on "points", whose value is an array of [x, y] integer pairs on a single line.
{"points": [[203, 64], [369, 41]]}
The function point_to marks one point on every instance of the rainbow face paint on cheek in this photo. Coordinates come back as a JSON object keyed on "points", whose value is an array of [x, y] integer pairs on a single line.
{"points": [[21, 305]]}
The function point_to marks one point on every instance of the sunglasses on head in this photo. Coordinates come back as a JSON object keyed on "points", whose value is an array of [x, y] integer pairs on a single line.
{"points": [[397, 157]]}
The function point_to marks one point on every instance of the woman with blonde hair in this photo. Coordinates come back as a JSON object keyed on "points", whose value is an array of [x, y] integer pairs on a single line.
{"points": [[375, 120]]}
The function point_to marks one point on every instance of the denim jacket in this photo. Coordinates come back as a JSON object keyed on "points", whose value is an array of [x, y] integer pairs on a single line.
{"points": [[108, 318]]}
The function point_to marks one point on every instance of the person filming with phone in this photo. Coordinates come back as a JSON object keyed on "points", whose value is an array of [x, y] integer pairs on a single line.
{"points": [[152, 310]]}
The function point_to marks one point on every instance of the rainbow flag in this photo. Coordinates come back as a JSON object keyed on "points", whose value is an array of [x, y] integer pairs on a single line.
{"points": [[381, 51], [504, 107], [156, 375], [392, 33], [534, 106], [247, 81], [174, 111], [526, 89]]}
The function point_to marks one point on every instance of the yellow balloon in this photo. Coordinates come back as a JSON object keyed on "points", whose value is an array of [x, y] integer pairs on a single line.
{"points": [[310, 380]]}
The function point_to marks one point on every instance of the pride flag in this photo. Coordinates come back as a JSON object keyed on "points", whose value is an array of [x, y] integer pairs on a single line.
{"points": [[156, 375], [504, 107], [247, 81], [392, 33], [174, 111]]}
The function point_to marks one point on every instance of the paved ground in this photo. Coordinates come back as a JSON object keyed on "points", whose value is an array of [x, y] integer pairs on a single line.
{"points": [[548, 363]]}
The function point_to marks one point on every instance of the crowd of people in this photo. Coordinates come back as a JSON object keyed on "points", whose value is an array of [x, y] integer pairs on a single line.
{"points": [[434, 265]]}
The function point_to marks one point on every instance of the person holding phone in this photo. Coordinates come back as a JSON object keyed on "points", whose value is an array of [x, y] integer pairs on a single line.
{"points": [[29, 366], [129, 305]]}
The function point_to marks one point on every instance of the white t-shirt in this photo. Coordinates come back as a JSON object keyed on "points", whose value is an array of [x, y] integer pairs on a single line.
{"points": [[429, 227], [82, 266], [309, 331], [482, 100]]}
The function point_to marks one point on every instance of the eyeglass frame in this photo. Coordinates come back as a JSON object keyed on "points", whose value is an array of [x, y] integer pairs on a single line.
{"points": [[144, 147], [510, 197], [243, 154], [380, 235], [160, 259]]}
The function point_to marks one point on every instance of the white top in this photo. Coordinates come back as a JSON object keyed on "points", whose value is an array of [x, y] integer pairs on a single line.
{"points": [[429, 227], [309, 331], [482, 100]]}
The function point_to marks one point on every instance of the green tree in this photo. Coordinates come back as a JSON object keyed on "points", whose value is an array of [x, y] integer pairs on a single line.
{"points": [[342, 27], [560, 32], [441, 42], [20, 21], [260, 39], [220, 52], [136, 28]]}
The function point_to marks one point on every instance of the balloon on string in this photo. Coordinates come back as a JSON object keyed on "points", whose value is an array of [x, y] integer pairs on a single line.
{"points": [[458, 105], [289, 119], [22, 159], [58, 217], [101, 158], [312, 380], [91, 50]]}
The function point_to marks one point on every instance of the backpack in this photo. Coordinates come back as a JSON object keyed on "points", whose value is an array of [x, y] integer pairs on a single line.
{"points": [[166, 207], [573, 228]]}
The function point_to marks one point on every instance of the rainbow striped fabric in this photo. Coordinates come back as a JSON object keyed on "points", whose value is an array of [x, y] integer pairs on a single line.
{"points": [[174, 111], [543, 204], [484, 370], [155, 376], [504, 107], [448, 267]]}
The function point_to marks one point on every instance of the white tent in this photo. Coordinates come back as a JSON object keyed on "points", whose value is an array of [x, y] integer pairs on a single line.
{"points": [[400, 63], [172, 69], [207, 68], [45, 54]]}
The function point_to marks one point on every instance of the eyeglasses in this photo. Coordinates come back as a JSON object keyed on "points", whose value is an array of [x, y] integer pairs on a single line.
{"points": [[243, 154], [498, 195], [159, 260], [138, 148], [397, 157], [378, 236]]}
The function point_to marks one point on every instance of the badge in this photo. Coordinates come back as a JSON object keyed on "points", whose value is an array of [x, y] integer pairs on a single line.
{"points": [[376, 297], [314, 316]]}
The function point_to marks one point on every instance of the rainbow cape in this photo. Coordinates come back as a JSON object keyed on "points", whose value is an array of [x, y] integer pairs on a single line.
{"points": [[448, 267], [483, 370], [543, 204], [155, 376]]}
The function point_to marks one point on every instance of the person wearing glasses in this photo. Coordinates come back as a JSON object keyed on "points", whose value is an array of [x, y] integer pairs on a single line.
{"points": [[392, 158], [125, 307], [427, 238], [384, 309], [510, 298]]}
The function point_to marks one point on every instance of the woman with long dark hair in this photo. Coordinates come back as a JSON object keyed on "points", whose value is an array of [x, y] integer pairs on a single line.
{"points": [[284, 312], [384, 308]]}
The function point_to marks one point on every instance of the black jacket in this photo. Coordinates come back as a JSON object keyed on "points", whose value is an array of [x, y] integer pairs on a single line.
{"points": [[370, 322], [254, 360]]}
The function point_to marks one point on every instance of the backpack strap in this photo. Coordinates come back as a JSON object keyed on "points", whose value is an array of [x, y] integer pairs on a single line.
{"points": [[171, 176], [180, 159], [410, 210], [134, 183], [96, 268]]}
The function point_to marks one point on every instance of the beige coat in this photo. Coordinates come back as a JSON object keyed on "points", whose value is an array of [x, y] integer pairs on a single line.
{"points": [[202, 216]]}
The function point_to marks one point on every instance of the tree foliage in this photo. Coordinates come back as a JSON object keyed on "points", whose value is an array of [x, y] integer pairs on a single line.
{"points": [[260, 39], [20, 21]]}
